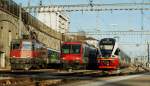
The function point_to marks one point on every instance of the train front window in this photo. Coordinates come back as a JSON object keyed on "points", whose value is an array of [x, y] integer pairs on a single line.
{"points": [[75, 49], [106, 50], [71, 49], [26, 46], [106, 47], [66, 49], [15, 46]]}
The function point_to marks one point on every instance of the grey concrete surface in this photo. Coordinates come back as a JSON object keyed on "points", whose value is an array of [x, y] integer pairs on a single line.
{"points": [[128, 80]]}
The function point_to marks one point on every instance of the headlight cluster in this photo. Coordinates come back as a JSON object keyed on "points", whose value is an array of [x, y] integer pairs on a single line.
{"points": [[63, 58], [77, 58], [98, 61]]}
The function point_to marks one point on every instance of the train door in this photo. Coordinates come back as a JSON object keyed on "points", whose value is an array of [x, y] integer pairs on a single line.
{"points": [[85, 54]]}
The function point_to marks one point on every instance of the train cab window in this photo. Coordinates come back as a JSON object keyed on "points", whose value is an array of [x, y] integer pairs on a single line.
{"points": [[26, 45], [72, 49], [117, 52], [15, 46], [106, 50], [66, 49], [75, 49], [106, 47]]}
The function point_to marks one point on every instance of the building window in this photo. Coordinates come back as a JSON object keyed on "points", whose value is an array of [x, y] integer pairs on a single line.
{"points": [[1, 27], [10, 37]]}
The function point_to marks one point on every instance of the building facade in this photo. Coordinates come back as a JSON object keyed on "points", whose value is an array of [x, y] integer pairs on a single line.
{"points": [[56, 20]]}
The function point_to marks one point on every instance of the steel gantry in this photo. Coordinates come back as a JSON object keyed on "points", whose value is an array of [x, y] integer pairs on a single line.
{"points": [[89, 7], [112, 33]]}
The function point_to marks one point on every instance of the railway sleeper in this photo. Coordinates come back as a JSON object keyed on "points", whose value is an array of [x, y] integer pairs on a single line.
{"points": [[17, 82]]}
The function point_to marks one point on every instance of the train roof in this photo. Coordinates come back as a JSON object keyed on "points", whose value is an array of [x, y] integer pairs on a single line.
{"points": [[80, 43], [107, 41], [112, 39], [72, 43], [53, 50]]}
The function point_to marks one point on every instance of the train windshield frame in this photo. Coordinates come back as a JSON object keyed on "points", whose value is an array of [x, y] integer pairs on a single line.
{"points": [[71, 49], [106, 46]]}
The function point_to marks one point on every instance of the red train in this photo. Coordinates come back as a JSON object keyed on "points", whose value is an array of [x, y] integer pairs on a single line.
{"points": [[77, 55], [110, 56], [26, 53]]}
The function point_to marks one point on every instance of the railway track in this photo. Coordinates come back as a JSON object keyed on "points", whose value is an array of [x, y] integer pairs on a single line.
{"points": [[17, 82], [55, 77]]}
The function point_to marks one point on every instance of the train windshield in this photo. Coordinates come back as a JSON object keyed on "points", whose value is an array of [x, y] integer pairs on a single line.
{"points": [[26, 45], [15, 46], [71, 49], [106, 47], [106, 50]]}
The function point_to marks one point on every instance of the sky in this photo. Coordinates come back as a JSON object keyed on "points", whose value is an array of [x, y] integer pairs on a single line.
{"points": [[107, 21]]}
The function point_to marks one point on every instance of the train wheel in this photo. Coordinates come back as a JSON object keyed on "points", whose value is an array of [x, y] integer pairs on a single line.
{"points": [[26, 68], [118, 71], [83, 67], [70, 70], [12, 69], [105, 72], [65, 66], [44, 66]]}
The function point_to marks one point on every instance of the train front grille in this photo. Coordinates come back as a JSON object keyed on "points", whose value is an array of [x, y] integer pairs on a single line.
{"points": [[105, 63]]}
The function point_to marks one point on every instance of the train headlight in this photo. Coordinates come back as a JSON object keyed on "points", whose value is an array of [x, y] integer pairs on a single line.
{"points": [[113, 56], [77, 58], [63, 58], [14, 56], [98, 61]]}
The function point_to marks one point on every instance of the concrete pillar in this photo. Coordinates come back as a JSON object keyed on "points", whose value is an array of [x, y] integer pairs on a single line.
{"points": [[2, 60]]}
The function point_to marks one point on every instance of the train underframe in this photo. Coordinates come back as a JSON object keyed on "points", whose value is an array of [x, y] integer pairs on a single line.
{"points": [[75, 65], [108, 67], [27, 63]]}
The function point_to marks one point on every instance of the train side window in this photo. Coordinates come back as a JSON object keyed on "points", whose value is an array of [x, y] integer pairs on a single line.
{"points": [[85, 52], [117, 52], [33, 45]]}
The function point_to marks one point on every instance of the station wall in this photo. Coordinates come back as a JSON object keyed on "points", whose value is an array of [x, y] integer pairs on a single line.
{"points": [[9, 29]]}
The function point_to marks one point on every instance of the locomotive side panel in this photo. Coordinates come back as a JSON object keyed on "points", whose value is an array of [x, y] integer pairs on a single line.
{"points": [[77, 60], [26, 54], [72, 55]]}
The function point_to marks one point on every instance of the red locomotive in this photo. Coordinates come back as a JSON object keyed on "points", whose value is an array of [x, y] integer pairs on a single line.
{"points": [[76, 55], [111, 57], [27, 53]]}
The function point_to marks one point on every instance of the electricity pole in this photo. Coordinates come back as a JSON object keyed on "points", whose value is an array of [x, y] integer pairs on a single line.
{"points": [[147, 54], [20, 21]]}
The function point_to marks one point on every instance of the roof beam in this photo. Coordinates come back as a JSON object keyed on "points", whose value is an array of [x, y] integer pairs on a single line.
{"points": [[88, 7], [112, 33]]}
